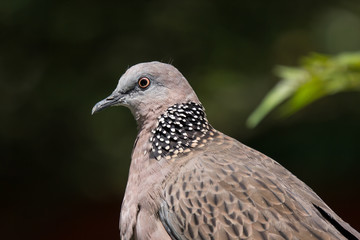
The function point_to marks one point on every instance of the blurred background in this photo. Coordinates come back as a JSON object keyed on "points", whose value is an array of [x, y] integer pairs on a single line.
{"points": [[63, 172]]}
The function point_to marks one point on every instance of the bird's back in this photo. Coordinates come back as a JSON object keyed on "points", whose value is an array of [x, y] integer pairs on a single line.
{"points": [[230, 191]]}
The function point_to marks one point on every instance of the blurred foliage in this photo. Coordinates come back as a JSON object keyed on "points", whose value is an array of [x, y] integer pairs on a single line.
{"points": [[317, 76]]}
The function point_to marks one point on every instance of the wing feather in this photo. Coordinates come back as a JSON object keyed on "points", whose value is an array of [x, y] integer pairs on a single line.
{"points": [[230, 191]]}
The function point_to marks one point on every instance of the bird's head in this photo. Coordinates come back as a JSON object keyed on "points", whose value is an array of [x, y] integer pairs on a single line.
{"points": [[149, 89]]}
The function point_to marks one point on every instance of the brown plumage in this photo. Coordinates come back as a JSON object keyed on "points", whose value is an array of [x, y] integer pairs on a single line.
{"points": [[190, 181]]}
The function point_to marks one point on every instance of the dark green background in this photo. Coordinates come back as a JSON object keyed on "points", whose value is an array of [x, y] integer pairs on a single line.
{"points": [[63, 172]]}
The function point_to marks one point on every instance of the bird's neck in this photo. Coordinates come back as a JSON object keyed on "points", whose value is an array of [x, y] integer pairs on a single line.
{"points": [[179, 129]]}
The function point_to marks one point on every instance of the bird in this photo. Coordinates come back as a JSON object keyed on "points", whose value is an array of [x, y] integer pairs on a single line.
{"points": [[188, 180]]}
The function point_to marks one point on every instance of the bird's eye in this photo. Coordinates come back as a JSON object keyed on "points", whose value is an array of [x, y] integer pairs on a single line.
{"points": [[144, 82]]}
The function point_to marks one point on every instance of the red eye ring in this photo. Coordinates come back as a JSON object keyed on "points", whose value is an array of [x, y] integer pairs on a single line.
{"points": [[144, 82]]}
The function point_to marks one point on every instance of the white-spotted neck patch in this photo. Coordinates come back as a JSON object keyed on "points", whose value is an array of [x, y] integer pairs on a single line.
{"points": [[181, 128]]}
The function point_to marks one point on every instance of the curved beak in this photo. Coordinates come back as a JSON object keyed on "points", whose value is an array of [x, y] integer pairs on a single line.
{"points": [[113, 99]]}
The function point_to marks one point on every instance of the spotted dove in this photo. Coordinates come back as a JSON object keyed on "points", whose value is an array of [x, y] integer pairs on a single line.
{"points": [[190, 181]]}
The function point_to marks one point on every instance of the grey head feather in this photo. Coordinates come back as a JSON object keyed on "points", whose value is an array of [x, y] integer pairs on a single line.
{"points": [[167, 87]]}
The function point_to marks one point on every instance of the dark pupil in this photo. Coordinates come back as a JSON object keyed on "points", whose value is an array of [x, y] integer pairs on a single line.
{"points": [[143, 82]]}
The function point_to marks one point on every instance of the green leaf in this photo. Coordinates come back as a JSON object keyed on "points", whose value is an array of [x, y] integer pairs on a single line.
{"points": [[317, 76]]}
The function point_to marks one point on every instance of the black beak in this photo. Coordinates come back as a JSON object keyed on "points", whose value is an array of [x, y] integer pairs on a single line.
{"points": [[111, 100]]}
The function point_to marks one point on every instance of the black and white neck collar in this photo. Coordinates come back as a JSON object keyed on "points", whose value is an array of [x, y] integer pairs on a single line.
{"points": [[180, 129]]}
